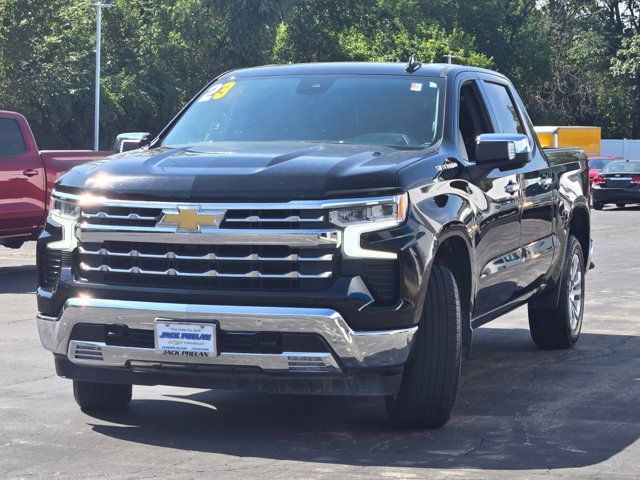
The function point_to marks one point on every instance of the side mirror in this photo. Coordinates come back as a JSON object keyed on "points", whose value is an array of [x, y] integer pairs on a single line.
{"points": [[504, 151], [131, 141]]}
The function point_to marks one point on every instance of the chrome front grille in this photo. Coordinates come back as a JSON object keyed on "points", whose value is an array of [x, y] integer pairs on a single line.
{"points": [[207, 266], [294, 257], [102, 215], [120, 216], [269, 219], [288, 246]]}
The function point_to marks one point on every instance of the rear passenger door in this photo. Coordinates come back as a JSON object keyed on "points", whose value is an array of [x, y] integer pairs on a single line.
{"points": [[536, 185], [22, 184]]}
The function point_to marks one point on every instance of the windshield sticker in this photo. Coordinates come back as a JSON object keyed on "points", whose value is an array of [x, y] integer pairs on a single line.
{"points": [[224, 90], [216, 92], [416, 87]]}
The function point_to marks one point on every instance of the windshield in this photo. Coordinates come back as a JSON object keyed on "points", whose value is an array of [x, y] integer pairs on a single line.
{"points": [[381, 110], [622, 167]]}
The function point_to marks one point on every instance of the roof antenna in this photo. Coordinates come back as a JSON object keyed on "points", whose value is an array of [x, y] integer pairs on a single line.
{"points": [[412, 64]]}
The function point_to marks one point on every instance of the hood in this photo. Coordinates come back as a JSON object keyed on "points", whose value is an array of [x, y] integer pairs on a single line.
{"points": [[240, 171]]}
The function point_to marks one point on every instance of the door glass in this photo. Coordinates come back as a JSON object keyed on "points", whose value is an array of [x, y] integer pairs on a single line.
{"points": [[472, 120], [504, 108], [11, 141]]}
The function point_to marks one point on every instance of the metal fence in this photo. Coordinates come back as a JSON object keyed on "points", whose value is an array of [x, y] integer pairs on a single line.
{"points": [[627, 149]]}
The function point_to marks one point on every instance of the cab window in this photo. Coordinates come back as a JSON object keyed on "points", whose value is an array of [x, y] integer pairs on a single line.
{"points": [[504, 108]]}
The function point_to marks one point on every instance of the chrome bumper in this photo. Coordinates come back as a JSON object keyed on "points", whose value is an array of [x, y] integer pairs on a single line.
{"points": [[349, 349]]}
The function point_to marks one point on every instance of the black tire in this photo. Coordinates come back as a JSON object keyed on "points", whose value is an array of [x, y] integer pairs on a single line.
{"points": [[556, 328], [621, 205], [101, 397], [598, 205], [430, 379]]}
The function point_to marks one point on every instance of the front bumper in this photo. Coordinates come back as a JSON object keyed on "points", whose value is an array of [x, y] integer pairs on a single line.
{"points": [[349, 353]]}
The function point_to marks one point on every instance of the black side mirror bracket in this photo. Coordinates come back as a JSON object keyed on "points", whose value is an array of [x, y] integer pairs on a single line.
{"points": [[145, 140]]}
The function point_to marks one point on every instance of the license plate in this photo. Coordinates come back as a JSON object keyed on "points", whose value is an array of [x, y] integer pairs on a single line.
{"points": [[618, 182], [188, 340]]}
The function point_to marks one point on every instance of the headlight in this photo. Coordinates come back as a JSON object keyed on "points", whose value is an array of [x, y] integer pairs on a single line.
{"points": [[64, 208], [65, 213], [382, 214]]}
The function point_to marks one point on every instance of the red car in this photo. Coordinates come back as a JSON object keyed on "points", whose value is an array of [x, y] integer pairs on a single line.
{"points": [[27, 176], [596, 164]]}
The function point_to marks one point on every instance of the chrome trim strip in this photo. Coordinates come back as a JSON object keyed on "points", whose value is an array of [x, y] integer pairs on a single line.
{"points": [[172, 272], [105, 215], [88, 199], [291, 219], [295, 238], [294, 257], [354, 349]]}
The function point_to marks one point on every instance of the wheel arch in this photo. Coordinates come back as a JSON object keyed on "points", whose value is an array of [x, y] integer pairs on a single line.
{"points": [[454, 250], [580, 227]]}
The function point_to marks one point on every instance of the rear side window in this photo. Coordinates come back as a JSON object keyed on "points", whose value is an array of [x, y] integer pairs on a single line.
{"points": [[504, 108], [11, 141]]}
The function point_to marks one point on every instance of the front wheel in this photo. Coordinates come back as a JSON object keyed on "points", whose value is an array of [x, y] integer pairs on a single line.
{"points": [[430, 379], [98, 397], [560, 327], [598, 205], [621, 205]]}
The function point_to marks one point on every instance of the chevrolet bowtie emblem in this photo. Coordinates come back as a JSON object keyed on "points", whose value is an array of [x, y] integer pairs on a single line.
{"points": [[191, 219]]}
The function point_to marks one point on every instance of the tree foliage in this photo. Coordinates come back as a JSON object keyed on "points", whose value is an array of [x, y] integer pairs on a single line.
{"points": [[573, 61]]}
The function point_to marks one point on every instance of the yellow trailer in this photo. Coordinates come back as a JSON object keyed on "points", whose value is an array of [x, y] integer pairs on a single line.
{"points": [[586, 138]]}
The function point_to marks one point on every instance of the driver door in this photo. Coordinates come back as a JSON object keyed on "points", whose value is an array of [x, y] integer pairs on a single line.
{"points": [[497, 238]]}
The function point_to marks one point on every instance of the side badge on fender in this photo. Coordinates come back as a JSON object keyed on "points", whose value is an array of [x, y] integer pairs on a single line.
{"points": [[447, 165]]}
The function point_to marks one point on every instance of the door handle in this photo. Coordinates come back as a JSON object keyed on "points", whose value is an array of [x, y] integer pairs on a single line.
{"points": [[31, 172], [512, 188], [546, 182]]}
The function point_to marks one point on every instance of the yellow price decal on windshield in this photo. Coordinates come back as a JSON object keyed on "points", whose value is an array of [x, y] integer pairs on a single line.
{"points": [[216, 92], [223, 90]]}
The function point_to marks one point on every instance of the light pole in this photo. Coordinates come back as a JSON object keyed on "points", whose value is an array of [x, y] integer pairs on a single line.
{"points": [[450, 57], [96, 112]]}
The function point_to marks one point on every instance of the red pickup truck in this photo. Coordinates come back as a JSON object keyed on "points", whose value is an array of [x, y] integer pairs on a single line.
{"points": [[27, 176]]}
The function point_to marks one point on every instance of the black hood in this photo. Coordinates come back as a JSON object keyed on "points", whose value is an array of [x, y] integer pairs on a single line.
{"points": [[237, 171]]}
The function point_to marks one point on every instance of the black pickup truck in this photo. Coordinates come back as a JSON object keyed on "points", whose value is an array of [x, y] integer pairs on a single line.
{"points": [[335, 228]]}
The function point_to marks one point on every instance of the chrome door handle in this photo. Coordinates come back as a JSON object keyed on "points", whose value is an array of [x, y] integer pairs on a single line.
{"points": [[30, 172], [512, 188], [546, 182]]}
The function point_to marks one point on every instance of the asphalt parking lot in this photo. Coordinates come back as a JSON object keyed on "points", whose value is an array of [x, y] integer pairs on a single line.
{"points": [[520, 413]]}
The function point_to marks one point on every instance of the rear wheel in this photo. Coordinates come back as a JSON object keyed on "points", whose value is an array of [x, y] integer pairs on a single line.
{"points": [[598, 205], [560, 327], [621, 205], [97, 397], [430, 379]]}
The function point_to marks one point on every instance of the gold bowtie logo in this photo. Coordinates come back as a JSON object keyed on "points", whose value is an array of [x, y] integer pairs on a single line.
{"points": [[191, 219]]}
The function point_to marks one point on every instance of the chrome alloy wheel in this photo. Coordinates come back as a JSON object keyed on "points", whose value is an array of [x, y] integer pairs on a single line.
{"points": [[575, 294]]}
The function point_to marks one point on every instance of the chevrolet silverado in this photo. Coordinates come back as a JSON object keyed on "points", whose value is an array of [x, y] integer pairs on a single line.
{"points": [[337, 228]]}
